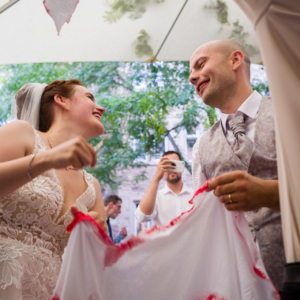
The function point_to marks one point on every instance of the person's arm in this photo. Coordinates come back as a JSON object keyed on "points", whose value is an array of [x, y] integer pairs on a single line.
{"points": [[120, 236], [17, 143], [15, 156], [141, 217], [147, 204], [247, 192], [118, 239]]}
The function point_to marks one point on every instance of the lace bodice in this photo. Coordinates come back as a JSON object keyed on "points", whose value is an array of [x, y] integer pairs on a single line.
{"points": [[31, 214], [33, 234]]}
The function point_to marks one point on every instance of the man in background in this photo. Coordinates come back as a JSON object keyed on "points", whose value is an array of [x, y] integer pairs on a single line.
{"points": [[112, 206], [168, 203]]}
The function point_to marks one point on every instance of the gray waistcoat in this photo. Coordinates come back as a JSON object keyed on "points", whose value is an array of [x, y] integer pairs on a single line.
{"points": [[217, 158]]}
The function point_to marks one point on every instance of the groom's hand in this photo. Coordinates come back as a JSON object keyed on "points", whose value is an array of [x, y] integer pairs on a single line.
{"points": [[246, 192]]}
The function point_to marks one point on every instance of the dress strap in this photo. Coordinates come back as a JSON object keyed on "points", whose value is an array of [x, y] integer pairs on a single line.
{"points": [[89, 178], [38, 143]]}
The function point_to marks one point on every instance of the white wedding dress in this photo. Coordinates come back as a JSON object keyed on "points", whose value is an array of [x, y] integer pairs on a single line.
{"points": [[33, 234]]}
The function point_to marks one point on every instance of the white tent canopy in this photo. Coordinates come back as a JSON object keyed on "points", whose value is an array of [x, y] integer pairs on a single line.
{"points": [[28, 33]]}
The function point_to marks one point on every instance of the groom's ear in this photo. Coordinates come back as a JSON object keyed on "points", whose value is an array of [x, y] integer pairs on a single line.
{"points": [[62, 102]]}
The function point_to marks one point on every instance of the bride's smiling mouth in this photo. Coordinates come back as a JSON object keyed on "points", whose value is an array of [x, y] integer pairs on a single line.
{"points": [[97, 115]]}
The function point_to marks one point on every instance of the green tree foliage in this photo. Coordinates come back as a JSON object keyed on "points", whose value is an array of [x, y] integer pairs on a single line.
{"points": [[261, 87], [138, 98]]}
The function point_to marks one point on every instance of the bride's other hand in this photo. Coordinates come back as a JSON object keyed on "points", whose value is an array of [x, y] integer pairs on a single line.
{"points": [[74, 210], [75, 152], [95, 215]]}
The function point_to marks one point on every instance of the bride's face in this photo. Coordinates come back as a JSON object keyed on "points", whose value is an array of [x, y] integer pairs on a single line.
{"points": [[86, 113]]}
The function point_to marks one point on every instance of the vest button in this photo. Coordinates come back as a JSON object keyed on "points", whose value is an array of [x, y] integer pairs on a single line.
{"points": [[256, 227]]}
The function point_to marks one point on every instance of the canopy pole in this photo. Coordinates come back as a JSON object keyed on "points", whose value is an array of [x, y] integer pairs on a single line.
{"points": [[154, 57], [7, 5]]}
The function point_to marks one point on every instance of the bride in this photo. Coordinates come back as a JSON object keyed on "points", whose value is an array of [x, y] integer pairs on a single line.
{"points": [[42, 184]]}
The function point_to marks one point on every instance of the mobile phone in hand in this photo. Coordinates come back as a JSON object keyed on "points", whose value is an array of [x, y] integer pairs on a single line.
{"points": [[179, 164]]}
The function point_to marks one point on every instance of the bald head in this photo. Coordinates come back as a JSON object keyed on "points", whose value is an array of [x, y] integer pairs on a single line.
{"points": [[220, 72], [226, 48]]}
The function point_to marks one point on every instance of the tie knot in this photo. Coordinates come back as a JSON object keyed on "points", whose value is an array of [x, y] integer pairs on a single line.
{"points": [[238, 126]]}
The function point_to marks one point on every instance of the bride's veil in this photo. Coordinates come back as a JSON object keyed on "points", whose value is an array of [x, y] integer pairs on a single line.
{"points": [[27, 103]]}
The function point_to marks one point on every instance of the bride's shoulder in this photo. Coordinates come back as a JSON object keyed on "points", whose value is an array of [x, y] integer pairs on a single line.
{"points": [[18, 128], [17, 135], [17, 125]]}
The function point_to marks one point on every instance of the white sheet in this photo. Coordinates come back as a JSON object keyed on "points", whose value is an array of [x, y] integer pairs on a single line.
{"points": [[206, 253]]}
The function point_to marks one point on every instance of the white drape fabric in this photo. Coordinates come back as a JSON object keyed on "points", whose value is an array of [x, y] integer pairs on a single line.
{"points": [[206, 253], [277, 25]]}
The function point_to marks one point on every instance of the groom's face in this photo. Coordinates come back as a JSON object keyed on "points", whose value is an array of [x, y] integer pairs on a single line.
{"points": [[210, 74]]}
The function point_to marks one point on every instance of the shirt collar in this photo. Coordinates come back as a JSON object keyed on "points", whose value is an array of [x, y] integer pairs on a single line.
{"points": [[166, 189], [249, 107]]}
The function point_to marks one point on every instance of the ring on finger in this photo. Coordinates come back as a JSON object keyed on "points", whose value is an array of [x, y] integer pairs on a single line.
{"points": [[230, 198]]}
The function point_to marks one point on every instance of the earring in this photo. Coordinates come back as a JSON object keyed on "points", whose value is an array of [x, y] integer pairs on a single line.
{"points": [[67, 108]]}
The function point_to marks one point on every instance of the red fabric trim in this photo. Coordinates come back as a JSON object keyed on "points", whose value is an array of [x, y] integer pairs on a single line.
{"points": [[256, 269], [264, 276], [55, 298], [214, 297], [210, 297], [80, 216], [113, 253]]}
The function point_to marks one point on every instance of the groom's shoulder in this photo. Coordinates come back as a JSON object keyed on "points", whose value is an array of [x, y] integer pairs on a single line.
{"points": [[267, 104]]}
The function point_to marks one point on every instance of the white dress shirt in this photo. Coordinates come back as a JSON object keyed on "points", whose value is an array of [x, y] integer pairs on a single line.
{"points": [[250, 108], [168, 206]]}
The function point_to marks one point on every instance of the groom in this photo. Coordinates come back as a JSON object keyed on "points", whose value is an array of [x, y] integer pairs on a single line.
{"points": [[239, 151]]}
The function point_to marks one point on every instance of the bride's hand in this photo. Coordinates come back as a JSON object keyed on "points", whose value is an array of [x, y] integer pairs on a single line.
{"points": [[95, 215], [75, 152]]}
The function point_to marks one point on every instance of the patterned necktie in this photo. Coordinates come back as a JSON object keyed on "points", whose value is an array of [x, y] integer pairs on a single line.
{"points": [[242, 145]]}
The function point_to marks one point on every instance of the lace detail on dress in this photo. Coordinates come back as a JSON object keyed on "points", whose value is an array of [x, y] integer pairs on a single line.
{"points": [[33, 234]]}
